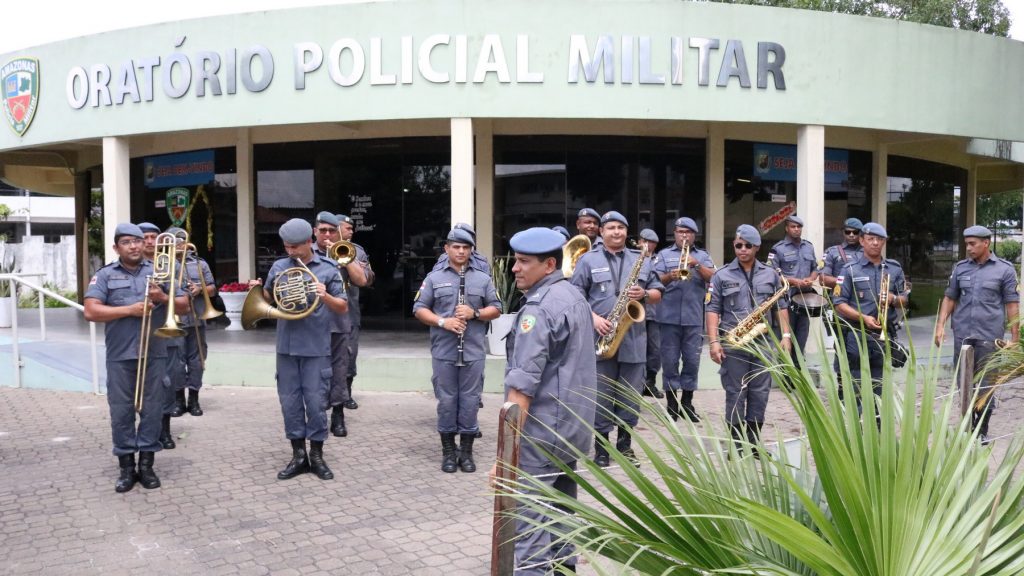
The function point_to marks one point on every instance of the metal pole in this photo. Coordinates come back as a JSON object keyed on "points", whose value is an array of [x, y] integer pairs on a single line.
{"points": [[42, 315]]}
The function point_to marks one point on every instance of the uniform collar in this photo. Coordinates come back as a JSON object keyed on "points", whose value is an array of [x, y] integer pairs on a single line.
{"points": [[849, 247], [991, 258], [790, 241], [863, 260], [548, 280], [142, 265]]}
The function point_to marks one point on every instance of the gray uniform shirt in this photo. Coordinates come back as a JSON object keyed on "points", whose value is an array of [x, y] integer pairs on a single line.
{"points": [[355, 314], [193, 268], [682, 302], [838, 256], [795, 259], [860, 282], [734, 294], [551, 359], [340, 323], [981, 292], [309, 336], [439, 293]]}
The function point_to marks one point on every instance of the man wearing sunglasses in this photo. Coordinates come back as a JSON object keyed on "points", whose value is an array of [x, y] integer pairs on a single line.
{"points": [[795, 257], [836, 257], [734, 293]]}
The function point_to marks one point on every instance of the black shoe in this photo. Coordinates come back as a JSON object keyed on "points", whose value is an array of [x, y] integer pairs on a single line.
{"points": [[651, 386], [449, 453], [601, 457], [299, 463], [127, 477], [466, 453], [478, 434], [166, 438], [147, 477], [338, 422], [736, 430], [351, 403], [316, 461], [672, 405], [623, 443], [193, 403], [687, 405], [179, 404], [754, 437]]}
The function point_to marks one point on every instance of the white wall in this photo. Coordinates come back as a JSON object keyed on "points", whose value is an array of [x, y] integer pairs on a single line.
{"points": [[57, 261]]}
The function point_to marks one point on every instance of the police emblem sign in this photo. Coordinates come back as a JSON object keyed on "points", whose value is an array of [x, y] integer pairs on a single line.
{"points": [[20, 80]]}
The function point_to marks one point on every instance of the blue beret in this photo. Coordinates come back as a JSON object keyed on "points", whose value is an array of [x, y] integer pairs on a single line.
{"points": [[327, 218], [685, 222], [149, 227], [461, 236], [179, 234], [795, 219], [128, 229], [467, 228], [875, 229], [295, 231], [978, 232], [854, 223], [534, 241], [343, 219], [561, 230], [613, 216], [588, 213], [648, 234], [749, 233]]}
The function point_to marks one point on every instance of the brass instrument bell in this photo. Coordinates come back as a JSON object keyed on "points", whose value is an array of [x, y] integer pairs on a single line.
{"points": [[342, 252], [573, 250]]}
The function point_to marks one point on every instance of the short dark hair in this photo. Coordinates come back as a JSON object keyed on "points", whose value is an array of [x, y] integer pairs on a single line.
{"points": [[557, 255]]}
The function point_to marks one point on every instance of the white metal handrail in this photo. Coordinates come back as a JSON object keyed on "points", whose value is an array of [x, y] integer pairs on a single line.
{"points": [[14, 280]]}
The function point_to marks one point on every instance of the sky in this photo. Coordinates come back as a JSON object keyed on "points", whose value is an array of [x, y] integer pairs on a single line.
{"points": [[34, 22]]}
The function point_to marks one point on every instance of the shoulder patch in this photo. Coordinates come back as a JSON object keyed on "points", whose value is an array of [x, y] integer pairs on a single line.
{"points": [[527, 323], [92, 281]]}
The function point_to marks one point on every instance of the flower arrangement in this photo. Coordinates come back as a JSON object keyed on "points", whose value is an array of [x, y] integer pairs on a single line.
{"points": [[229, 287]]}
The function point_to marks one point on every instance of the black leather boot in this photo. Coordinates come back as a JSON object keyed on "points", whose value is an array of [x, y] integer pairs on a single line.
{"points": [[299, 463], [672, 405], [737, 436], [126, 478], [179, 404], [166, 439], [466, 453], [316, 461], [980, 422], [449, 453], [147, 477], [651, 386], [351, 403], [600, 452], [624, 444], [338, 422], [687, 404], [753, 436], [193, 403]]}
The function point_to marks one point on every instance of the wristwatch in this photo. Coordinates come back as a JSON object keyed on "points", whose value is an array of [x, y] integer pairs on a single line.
{"points": [[440, 322], [476, 314]]}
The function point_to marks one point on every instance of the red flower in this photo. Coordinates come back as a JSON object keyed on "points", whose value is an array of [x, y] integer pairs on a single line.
{"points": [[234, 287]]}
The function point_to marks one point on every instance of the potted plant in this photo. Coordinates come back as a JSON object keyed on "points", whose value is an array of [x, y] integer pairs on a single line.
{"points": [[509, 295], [233, 295], [7, 264]]}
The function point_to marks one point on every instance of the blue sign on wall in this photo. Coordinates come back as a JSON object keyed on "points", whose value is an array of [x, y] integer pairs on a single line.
{"points": [[185, 169], [778, 162]]}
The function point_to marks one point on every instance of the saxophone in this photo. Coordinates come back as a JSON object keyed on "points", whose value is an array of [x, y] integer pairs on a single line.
{"points": [[624, 314], [754, 324]]}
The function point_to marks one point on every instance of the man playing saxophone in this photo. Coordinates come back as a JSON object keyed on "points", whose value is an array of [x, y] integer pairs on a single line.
{"points": [[741, 297], [604, 276]]}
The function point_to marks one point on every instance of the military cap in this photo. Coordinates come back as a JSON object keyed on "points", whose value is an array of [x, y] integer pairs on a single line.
{"points": [[795, 219], [977, 232], [467, 228], [295, 231], [343, 219], [460, 236], [854, 223], [327, 218], [749, 233], [127, 229], [536, 241], [613, 216], [875, 229], [149, 227], [686, 222], [561, 230], [649, 235], [588, 213]]}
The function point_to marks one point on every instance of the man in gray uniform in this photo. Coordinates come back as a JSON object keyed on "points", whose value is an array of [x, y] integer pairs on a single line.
{"points": [[681, 317], [837, 257], [195, 350], [551, 372], [588, 223], [457, 332], [115, 296], [347, 229], [736, 291], [304, 352], [795, 257], [175, 377], [649, 238], [476, 260], [982, 297], [149, 234], [601, 277]]}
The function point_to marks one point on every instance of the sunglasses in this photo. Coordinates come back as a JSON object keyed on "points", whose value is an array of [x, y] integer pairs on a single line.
{"points": [[851, 232], [743, 245]]}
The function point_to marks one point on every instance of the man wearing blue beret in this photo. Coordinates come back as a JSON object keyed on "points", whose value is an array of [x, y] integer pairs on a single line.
{"points": [[588, 223], [357, 275], [982, 297], [649, 240], [836, 257], [149, 234], [795, 257]]}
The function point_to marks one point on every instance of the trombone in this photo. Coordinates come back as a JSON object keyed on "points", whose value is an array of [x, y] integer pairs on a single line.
{"points": [[342, 252], [209, 312], [164, 259]]}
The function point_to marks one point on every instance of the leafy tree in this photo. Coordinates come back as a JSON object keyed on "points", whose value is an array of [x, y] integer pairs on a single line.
{"points": [[999, 210]]}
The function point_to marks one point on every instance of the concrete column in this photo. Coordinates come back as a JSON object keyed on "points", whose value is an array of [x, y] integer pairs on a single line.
{"points": [[83, 204], [810, 183], [880, 180], [245, 206], [116, 191], [484, 187], [969, 197], [462, 171], [714, 223]]}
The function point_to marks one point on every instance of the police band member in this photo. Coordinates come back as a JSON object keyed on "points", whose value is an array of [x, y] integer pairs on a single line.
{"points": [[457, 333], [858, 301], [588, 223], [149, 234], [795, 257], [116, 296], [601, 276], [681, 316], [347, 229], [551, 372], [304, 352], [476, 260], [562, 230], [197, 273], [649, 238], [836, 257], [982, 297], [735, 291], [175, 377]]}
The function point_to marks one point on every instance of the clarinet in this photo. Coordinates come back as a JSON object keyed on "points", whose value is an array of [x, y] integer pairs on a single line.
{"points": [[462, 300]]}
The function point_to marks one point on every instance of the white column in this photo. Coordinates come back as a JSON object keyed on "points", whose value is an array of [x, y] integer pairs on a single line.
{"points": [[484, 187], [245, 206], [116, 191], [462, 171], [880, 178], [810, 183], [714, 223]]}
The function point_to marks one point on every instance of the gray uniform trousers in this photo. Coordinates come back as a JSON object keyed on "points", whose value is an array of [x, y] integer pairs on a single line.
{"points": [[458, 395], [535, 550], [194, 376], [128, 436], [302, 386], [799, 328], [876, 359], [610, 399], [680, 342], [353, 346], [653, 347], [746, 385], [175, 373], [340, 359]]}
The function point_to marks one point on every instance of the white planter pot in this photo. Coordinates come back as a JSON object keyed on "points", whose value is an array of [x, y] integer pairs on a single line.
{"points": [[5, 311], [233, 308], [500, 327]]}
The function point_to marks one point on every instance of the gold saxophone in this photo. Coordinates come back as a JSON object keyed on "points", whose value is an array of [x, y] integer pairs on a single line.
{"points": [[624, 314], [754, 324]]}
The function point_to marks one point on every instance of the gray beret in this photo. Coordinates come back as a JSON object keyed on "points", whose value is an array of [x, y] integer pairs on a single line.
{"points": [[977, 232], [343, 219], [178, 232], [749, 233], [533, 241], [295, 231], [854, 223], [685, 222], [149, 227], [327, 218], [467, 228], [588, 213], [128, 229], [561, 230], [795, 219], [613, 216], [875, 229], [648, 234], [460, 236]]}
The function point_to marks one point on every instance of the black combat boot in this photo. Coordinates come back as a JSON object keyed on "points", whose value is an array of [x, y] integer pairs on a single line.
{"points": [[299, 463], [351, 402], [753, 436], [651, 386], [600, 452], [737, 436], [624, 444], [449, 453], [193, 403], [166, 438], [316, 461], [687, 404], [672, 405], [126, 478], [338, 422], [179, 404], [980, 422], [147, 477], [466, 453]]}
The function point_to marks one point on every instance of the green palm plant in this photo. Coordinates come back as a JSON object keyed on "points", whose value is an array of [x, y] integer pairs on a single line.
{"points": [[504, 282]]}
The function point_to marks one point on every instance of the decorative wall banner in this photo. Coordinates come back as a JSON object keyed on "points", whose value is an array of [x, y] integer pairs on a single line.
{"points": [[20, 78], [201, 196], [185, 169], [778, 162], [779, 215]]}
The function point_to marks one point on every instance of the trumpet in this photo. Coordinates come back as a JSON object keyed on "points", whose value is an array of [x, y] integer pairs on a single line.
{"points": [[684, 263], [164, 259], [573, 250], [291, 295], [342, 252]]}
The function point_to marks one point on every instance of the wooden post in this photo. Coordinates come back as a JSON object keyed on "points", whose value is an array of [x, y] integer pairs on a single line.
{"points": [[504, 530], [965, 379]]}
